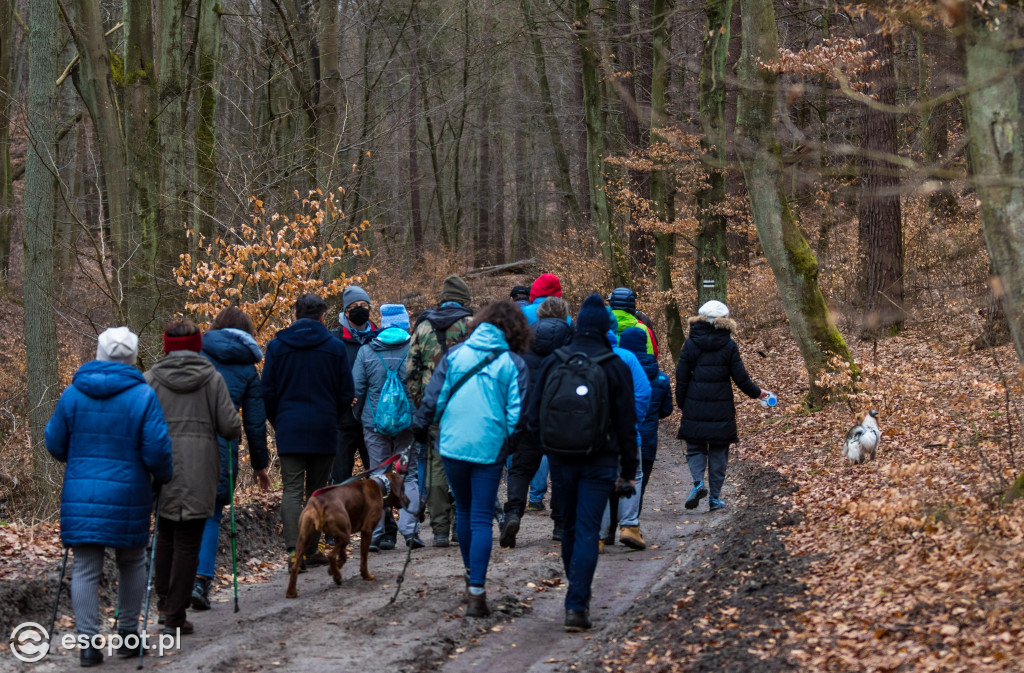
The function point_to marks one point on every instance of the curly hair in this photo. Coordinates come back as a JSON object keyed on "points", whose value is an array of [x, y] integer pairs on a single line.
{"points": [[509, 318], [233, 317], [553, 307]]}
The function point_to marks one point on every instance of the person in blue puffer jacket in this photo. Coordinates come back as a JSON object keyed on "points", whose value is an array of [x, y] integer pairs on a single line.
{"points": [[477, 395], [634, 339], [230, 346], [110, 430], [627, 510]]}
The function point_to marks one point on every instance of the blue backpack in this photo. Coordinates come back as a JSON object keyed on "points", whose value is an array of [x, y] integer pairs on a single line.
{"points": [[393, 414]]}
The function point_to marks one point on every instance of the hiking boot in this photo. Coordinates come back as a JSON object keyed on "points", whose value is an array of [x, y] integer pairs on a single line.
{"points": [[201, 593], [388, 542], [414, 541], [291, 562], [187, 629], [476, 604], [631, 537], [557, 532], [90, 656], [125, 651], [509, 530], [535, 506], [600, 546], [317, 558], [715, 503], [375, 544], [441, 540], [696, 495], [577, 620]]}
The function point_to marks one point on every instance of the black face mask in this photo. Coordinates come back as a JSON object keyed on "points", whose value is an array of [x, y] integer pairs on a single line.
{"points": [[359, 315]]}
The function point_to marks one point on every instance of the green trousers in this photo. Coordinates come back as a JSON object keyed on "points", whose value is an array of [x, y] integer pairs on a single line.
{"points": [[439, 502]]}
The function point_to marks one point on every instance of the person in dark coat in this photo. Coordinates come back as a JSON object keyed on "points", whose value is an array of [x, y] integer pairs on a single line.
{"points": [[528, 472], [110, 430], [307, 387], [709, 363], [584, 484], [520, 294], [234, 353], [634, 340], [355, 329]]}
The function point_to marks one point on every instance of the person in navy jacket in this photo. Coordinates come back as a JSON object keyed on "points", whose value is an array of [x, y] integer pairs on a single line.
{"points": [[110, 430]]}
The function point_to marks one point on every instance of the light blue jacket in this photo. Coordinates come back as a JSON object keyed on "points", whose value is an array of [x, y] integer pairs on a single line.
{"points": [[530, 311], [641, 384], [476, 423]]}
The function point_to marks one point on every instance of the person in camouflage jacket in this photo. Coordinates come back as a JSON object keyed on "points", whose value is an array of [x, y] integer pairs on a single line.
{"points": [[437, 330]]}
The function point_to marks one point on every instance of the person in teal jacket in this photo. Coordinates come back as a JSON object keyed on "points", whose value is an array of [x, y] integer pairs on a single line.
{"points": [[477, 395]]}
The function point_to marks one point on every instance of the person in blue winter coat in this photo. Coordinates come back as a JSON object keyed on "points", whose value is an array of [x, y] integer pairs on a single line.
{"points": [[635, 340], [546, 285], [110, 430], [627, 510], [387, 352], [477, 395], [230, 346]]}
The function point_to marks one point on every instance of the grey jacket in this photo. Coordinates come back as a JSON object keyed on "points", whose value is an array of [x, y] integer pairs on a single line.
{"points": [[369, 374], [197, 408]]}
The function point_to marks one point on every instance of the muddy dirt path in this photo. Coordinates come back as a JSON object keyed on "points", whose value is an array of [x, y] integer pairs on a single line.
{"points": [[352, 627]]}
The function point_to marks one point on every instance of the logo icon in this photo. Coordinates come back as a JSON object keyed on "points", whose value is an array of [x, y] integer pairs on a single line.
{"points": [[29, 642]]}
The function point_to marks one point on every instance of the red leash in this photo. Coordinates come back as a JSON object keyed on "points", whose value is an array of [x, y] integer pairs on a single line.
{"points": [[362, 475]]}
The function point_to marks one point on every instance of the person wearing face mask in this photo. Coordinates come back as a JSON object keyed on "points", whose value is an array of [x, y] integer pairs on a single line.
{"points": [[355, 330]]}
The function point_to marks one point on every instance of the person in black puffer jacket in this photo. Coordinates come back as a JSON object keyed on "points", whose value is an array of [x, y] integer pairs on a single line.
{"points": [[529, 467], [710, 358]]}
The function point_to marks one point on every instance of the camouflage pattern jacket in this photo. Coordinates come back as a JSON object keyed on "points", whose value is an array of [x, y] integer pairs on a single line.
{"points": [[437, 330]]}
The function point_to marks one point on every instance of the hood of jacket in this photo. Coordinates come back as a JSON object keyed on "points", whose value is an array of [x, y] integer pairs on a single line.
{"points": [[650, 365], [232, 346], [487, 337], [183, 371], [708, 336], [548, 335], [304, 333], [444, 317], [390, 339], [625, 320], [100, 380]]}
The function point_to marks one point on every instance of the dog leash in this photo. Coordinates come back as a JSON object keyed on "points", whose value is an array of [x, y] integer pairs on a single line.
{"points": [[420, 513], [364, 474]]}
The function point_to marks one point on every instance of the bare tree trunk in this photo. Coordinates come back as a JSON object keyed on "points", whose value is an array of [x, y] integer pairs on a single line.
{"points": [[787, 251], [40, 184], [414, 168], [7, 87], [484, 199], [880, 226], [207, 61], [328, 138], [498, 191], [711, 261]]}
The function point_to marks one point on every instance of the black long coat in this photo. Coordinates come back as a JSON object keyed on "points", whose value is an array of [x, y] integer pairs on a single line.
{"points": [[710, 361]]}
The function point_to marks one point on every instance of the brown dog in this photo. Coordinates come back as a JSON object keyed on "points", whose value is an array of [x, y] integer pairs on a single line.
{"points": [[341, 510]]}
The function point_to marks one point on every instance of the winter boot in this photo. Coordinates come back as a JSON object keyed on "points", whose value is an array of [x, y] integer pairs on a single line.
{"points": [[201, 593], [631, 537], [577, 620], [509, 530], [476, 604]]}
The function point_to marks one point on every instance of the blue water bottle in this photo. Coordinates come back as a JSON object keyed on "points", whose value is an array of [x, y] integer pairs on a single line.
{"points": [[770, 401]]}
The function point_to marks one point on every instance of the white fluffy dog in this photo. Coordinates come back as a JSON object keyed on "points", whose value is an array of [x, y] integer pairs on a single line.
{"points": [[863, 439]]}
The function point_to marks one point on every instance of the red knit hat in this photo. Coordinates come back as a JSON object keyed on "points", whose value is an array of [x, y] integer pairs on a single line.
{"points": [[192, 342], [547, 285]]}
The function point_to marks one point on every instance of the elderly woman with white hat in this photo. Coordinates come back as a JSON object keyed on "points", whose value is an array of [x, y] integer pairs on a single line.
{"points": [[708, 365]]}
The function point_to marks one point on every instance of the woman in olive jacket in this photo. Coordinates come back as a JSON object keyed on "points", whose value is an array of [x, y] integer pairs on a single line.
{"points": [[198, 408]]}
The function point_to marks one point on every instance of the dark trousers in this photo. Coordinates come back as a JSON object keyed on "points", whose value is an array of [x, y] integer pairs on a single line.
{"points": [[584, 490], [711, 457], [301, 474], [648, 466], [174, 568], [350, 444], [525, 461]]}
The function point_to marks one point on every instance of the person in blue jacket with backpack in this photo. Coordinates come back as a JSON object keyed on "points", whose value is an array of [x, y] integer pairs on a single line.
{"points": [[384, 409], [109, 428], [634, 339], [477, 396]]}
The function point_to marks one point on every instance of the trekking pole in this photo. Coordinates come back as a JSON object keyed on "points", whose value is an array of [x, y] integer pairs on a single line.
{"points": [[420, 515], [149, 578], [60, 584], [234, 534]]}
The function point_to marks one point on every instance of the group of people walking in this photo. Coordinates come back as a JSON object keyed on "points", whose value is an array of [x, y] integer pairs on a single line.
{"points": [[518, 384]]}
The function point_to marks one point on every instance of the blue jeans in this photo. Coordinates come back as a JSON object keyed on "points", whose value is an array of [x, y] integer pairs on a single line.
{"points": [[475, 486], [211, 540], [539, 483], [584, 491]]}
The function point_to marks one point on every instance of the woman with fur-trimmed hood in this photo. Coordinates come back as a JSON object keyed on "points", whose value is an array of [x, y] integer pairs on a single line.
{"points": [[708, 365]]}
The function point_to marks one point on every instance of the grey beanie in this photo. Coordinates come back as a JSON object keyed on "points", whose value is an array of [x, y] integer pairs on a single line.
{"points": [[351, 295], [118, 344]]}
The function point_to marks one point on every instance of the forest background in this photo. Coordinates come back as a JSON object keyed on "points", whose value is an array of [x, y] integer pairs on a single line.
{"points": [[847, 177]]}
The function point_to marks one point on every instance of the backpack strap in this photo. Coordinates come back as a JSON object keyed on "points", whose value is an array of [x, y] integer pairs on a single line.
{"points": [[494, 355], [400, 362]]}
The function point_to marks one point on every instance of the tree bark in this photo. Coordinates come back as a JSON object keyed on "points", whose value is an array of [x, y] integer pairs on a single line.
{"points": [[995, 116], [790, 257], [328, 139], [484, 199], [711, 262], [880, 220], [662, 190], [6, 172], [40, 190], [416, 212], [207, 61]]}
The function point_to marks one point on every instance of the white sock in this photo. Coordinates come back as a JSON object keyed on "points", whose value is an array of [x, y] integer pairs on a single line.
{"points": [[477, 591]]}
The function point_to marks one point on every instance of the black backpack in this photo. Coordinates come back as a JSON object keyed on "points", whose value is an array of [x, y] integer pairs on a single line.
{"points": [[574, 405]]}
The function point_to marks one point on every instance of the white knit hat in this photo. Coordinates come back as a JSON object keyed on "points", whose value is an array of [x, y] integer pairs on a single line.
{"points": [[118, 344], [714, 309]]}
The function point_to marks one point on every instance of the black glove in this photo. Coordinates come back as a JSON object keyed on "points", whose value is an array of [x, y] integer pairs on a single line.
{"points": [[157, 485], [421, 435], [624, 489]]}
